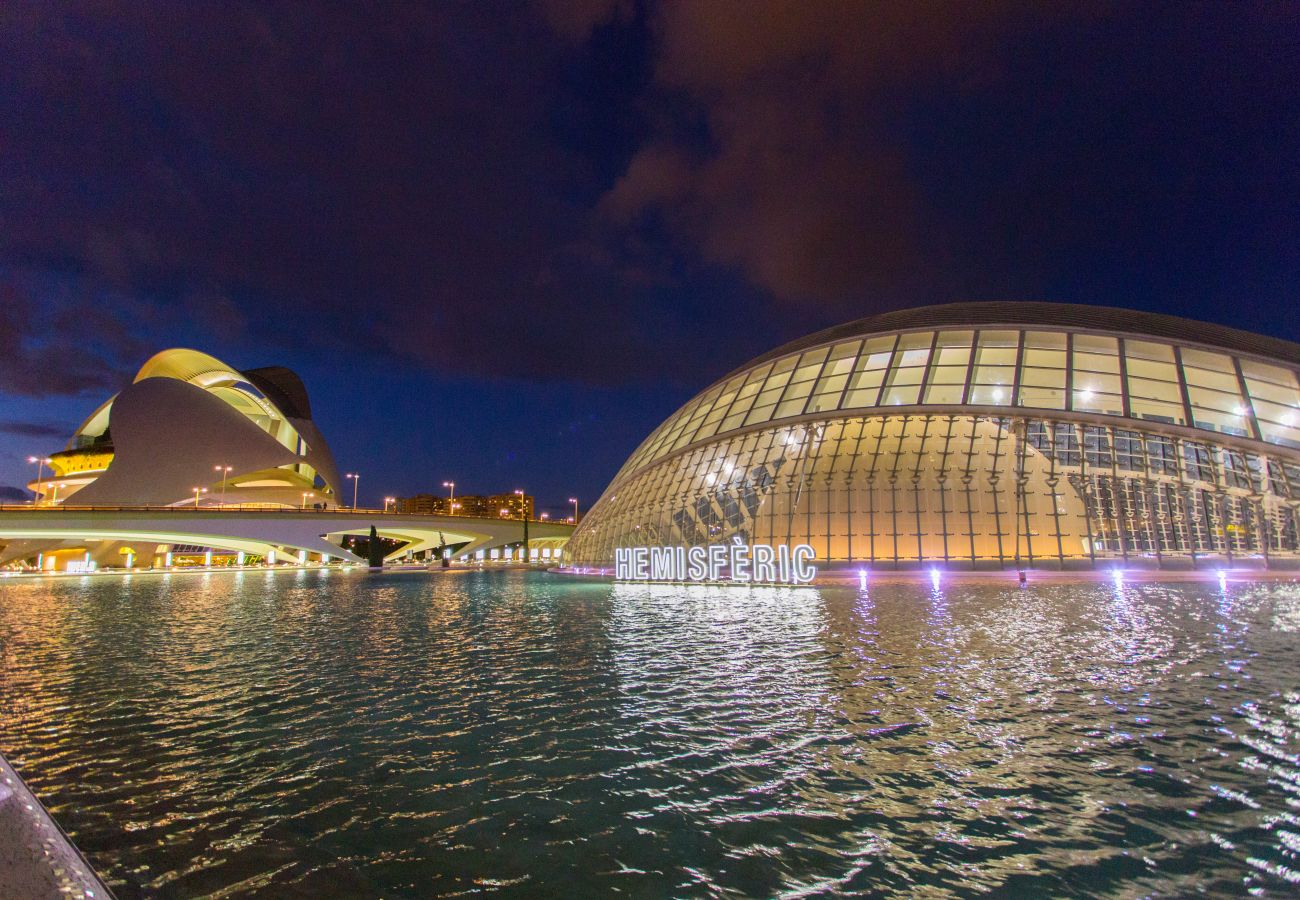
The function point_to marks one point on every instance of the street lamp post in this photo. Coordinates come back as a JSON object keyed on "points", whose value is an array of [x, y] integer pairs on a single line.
{"points": [[388, 500], [41, 462], [574, 501], [452, 486], [356, 480], [304, 498], [197, 491], [225, 472], [55, 501], [523, 513]]}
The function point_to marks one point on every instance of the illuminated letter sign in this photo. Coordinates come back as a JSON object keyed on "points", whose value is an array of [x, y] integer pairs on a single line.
{"points": [[736, 563]]}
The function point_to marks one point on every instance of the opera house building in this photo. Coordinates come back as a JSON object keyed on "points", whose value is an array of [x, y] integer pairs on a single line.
{"points": [[192, 430], [981, 435]]}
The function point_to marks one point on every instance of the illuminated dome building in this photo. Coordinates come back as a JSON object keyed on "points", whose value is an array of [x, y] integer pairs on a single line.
{"points": [[190, 421], [981, 435]]}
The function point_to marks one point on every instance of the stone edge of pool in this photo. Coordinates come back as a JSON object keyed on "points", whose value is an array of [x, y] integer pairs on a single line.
{"points": [[37, 859]]}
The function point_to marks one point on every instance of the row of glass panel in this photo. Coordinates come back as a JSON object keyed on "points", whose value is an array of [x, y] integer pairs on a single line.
{"points": [[917, 487], [1056, 370]]}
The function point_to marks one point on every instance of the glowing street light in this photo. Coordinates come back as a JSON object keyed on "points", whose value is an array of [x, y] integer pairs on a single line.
{"points": [[305, 495], [56, 491], [452, 486], [545, 516], [41, 462], [388, 500], [225, 472], [574, 501], [197, 491], [356, 480]]}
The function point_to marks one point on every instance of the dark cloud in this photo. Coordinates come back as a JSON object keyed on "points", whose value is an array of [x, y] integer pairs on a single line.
{"points": [[389, 185], [848, 156], [601, 190], [60, 340]]}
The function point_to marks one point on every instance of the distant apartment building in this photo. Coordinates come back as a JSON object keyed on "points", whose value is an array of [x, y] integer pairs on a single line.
{"points": [[491, 506], [424, 505]]}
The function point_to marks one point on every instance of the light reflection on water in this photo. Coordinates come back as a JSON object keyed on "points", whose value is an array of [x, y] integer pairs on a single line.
{"points": [[313, 734]]}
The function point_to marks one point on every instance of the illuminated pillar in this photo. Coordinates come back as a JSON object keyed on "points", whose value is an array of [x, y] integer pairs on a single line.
{"points": [[167, 559], [130, 560], [207, 558], [302, 557], [240, 557], [270, 557]]}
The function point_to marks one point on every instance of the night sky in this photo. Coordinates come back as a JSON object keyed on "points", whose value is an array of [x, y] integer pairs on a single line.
{"points": [[501, 242]]}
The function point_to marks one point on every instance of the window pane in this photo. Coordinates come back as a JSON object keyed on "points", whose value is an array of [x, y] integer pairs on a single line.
{"points": [[846, 350], [1202, 359], [1157, 410], [1156, 390], [954, 338], [1144, 368], [994, 374], [1046, 358], [953, 356], [918, 340], [990, 395], [759, 414], [906, 376], [796, 390], [1093, 382], [1276, 412], [1263, 372], [1043, 397], [1045, 340], [1086, 400], [1135, 350], [1043, 377], [948, 375], [901, 395], [944, 393], [1093, 353], [1217, 400], [1285, 394], [1219, 380], [1283, 434]]}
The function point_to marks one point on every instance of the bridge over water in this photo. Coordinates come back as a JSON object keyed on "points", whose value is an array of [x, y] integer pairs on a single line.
{"points": [[25, 530]]}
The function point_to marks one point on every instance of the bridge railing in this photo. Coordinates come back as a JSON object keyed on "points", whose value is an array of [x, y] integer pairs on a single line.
{"points": [[256, 508]]}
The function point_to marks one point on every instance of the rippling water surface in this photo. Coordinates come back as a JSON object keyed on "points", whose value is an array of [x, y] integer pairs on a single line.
{"points": [[409, 735]]}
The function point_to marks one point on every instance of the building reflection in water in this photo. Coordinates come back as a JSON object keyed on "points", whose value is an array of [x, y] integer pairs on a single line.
{"points": [[321, 734], [954, 731]]}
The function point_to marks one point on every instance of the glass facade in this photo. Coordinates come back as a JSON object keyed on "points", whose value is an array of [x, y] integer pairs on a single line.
{"points": [[984, 446]]}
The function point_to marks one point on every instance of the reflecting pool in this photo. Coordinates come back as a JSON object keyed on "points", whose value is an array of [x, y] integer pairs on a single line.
{"points": [[318, 734]]}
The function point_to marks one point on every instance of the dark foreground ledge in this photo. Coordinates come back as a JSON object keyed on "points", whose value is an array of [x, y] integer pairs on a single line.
{"points": [[36, 858]]}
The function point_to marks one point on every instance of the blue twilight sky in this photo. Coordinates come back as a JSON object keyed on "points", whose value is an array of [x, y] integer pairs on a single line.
{"points": [[501, 242]]}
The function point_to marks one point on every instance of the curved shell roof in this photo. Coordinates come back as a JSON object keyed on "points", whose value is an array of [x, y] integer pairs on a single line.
{"points": [[1073, 316], [993, 356]]}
